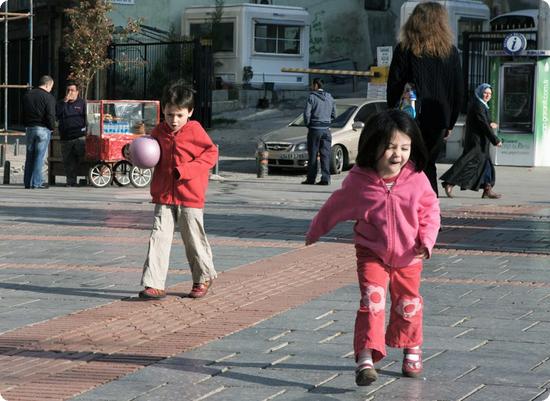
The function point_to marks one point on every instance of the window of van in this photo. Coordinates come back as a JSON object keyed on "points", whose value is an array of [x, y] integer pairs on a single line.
{"points": [[222, 40], [277, 39]]}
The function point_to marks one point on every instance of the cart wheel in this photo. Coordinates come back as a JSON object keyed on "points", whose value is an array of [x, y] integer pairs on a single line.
{"points": [[100, 175], [121, 173], [140, 177]]}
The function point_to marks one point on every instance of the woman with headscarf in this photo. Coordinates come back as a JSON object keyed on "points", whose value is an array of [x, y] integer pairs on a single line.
{"points": [[474, 169], [426, 58]]}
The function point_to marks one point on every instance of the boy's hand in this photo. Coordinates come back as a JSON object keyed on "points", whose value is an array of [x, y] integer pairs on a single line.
{"points": [[422, 252]]}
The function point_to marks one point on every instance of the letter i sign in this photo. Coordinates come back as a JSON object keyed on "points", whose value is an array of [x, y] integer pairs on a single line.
{"points": [[514, 43]]}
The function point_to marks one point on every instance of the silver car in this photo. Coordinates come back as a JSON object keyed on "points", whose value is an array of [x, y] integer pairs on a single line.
{"points": [[287, 147]]}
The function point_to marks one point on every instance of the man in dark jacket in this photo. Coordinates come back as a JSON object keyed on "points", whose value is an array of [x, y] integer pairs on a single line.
{"points": [[71, 113], [320, 110], [39, 121]]}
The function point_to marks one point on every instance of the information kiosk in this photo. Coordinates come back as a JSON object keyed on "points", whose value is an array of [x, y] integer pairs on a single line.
{"points": [[520, 79]]}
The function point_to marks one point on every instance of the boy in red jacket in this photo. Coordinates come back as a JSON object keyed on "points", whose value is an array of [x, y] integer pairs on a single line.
{"points": [[178, 190]]}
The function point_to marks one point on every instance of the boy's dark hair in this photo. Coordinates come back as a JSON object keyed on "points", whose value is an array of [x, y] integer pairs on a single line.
{"points": [[72, 83], [319, 82], [378, 132], [179, 94]]}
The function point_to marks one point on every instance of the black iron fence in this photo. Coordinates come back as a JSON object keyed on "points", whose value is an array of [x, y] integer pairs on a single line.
{"points": [[141, 71], [20, 5], [475, 63]]}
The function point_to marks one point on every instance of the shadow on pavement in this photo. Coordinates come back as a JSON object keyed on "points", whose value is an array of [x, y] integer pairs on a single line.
{"points": [[84, 292], [505, 232], [195, 366]]}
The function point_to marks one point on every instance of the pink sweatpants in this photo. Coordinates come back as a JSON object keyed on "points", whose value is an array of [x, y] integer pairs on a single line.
{"points": [[405, 326]]}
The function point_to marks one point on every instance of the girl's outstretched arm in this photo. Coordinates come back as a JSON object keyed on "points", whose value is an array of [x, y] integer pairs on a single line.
{"points": [[344, 204]]}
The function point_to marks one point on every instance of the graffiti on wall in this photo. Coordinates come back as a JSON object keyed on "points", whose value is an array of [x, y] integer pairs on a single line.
{"points": [[316, 34]]}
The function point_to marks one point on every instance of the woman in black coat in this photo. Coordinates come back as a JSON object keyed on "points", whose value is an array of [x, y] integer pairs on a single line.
{"points": [[426, 58], [474, 169]]}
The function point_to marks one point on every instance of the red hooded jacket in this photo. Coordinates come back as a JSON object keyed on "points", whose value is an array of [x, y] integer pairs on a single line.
{"points": [[181, 175]]}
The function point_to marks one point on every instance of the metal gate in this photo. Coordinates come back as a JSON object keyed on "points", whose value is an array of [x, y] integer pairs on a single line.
{"points": [[475, 63], [141, 71]]}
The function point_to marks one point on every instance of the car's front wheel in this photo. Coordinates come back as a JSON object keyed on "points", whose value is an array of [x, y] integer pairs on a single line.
{"points": [[337, 159]]}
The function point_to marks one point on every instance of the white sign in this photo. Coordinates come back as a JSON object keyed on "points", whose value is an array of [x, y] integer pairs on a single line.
{"points": [[514, 43], [384, 55], [516, 150]]}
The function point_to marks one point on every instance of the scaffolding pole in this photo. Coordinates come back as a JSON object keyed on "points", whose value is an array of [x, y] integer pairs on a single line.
{"points": [[6, 17], [6, 41]]}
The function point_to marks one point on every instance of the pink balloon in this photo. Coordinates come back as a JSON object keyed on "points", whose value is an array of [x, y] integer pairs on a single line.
{"points": [[145, 152]]}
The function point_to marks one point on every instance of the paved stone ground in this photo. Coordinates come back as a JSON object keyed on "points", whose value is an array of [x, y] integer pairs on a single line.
{"points": [[279, 322]]}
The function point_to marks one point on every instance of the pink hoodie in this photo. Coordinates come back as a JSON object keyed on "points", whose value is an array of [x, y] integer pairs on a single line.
{"points": [[390, 223]]}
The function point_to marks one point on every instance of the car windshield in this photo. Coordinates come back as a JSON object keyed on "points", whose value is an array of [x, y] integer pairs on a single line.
{"points": [[343, 113]]}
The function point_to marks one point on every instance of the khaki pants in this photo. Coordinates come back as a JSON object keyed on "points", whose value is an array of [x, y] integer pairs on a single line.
{"points": [[197, 248]]}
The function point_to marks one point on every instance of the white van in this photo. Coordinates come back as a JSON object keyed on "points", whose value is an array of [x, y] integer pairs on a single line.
{"points": [[257, 40]]}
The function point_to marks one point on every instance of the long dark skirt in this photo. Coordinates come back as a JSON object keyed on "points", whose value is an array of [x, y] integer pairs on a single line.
{"points": [[472, 170]]}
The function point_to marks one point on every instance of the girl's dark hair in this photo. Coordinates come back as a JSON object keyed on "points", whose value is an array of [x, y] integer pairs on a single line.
{"points": [[179, 94], [378, 133]]}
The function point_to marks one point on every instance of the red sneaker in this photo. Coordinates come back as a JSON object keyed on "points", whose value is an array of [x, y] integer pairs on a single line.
{"points": [[412, 368], [199, 290], [152, 293]]}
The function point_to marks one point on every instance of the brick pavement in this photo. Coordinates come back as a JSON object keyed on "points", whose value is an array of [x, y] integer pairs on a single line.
{"points": [[305, 353], [88, 348]]}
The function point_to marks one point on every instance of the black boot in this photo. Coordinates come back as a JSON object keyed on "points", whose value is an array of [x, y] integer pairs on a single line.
{"points": [[488, 193]]}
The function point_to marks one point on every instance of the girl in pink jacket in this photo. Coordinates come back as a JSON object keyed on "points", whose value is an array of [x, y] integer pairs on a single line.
{"points": [[397, 219]]}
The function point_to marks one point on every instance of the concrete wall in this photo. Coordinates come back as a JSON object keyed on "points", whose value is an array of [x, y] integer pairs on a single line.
{"points": [[339, 29], [384, 26], [344, 29], [161, 14]]}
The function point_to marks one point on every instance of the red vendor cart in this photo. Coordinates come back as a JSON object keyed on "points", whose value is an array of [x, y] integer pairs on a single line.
{"points": [[113, 124]]}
